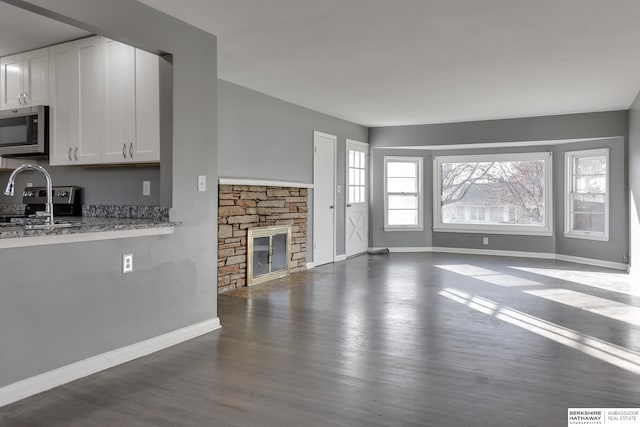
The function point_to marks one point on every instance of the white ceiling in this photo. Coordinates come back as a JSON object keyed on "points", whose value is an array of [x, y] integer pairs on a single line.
{"points": [[21, 30], [385, 62], [382, 62]]}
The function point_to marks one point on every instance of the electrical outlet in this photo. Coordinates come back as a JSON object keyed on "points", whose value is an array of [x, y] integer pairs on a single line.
{"points": [[127, 263], [146, 188], [485, 240], [29, 184]]}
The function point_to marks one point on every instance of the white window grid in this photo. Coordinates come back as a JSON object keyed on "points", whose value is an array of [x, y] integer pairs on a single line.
{"points": [[571, 191], [357, 177], [418, 226]]}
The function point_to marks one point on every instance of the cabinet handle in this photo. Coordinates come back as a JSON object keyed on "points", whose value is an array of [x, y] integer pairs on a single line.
{"points": [[69, 154], [131, 150], [124, 150], [75, 154], [24, 98], [20, 99]]}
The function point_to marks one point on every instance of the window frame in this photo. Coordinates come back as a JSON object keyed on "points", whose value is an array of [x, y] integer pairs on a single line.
{"points": [[519, 229], [364, 168], [419, 161], [568, 187]]}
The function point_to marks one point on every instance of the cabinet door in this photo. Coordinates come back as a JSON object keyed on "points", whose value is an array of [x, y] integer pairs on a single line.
{"points": [[63, 116], [90, 112], [147, 145], [120, 111], [11, 81], [36, 77]]}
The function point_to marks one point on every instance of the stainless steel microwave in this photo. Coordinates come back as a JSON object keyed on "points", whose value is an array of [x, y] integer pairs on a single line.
{"points": [[24, 132]]}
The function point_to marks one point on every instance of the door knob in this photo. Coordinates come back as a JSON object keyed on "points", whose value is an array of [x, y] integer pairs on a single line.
{"points": [[331, 206]]}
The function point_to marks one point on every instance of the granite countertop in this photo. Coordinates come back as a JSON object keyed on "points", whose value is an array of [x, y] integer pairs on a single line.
{"points": [[17, 228]]}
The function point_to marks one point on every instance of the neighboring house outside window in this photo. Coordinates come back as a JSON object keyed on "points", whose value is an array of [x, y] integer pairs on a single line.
{"points": [[504, 193], [403, 193], [587, 194]]}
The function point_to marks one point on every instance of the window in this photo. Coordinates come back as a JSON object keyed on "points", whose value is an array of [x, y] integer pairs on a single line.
{"points": [[357, 176], [403, 193], [587, 194], [502, 194]]}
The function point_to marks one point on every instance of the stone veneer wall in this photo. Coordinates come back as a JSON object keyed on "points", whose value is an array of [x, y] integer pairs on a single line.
{"points": [[241, 207]]}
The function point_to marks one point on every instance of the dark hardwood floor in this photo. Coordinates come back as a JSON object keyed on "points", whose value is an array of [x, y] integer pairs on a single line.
{"points": [[393, 340]]}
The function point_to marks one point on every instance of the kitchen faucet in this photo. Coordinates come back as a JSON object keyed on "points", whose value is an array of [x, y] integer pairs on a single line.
{"points": [[9, 191]]}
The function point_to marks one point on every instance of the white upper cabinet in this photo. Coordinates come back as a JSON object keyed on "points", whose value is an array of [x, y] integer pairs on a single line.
{"points": [[63, 129], [76, 112], [105, 103], [132, 105], [120, 102], [104, 99], [90, 64], [147, 143], [24, 79]]}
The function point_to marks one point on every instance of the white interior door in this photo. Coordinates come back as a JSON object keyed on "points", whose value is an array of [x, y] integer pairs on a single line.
{"points": [[357, 210], [324, 179]]}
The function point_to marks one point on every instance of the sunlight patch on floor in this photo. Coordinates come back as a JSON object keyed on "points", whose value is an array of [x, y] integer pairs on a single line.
{"points": [[594, 347], [602, 306], [489, 276], [613, 281]]}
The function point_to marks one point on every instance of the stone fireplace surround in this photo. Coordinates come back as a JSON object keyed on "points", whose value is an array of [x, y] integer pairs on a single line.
{"points": [[243, 204]]}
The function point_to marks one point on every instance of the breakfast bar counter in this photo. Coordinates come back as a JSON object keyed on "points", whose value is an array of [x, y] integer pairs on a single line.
{"points": [[30, 231]]}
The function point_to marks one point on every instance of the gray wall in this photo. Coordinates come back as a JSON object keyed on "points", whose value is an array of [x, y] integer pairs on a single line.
{"points": [[593, 125], [412, 239], [264, 137], [617, 248], [634, 185], [588, 125], [74, 303], [100, 186]]}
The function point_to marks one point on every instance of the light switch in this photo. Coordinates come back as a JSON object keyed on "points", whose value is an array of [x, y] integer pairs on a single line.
{"points": [[202, 183], [339, 189], [146, 188]]}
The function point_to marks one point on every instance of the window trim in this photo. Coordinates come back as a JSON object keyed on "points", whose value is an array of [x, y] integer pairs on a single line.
{"points": [[420, 193], [568, 174], [521, 229]]}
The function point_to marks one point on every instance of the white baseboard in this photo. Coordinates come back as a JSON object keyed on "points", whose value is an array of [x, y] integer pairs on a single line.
{"points": [[517, 254], [310, 265], [339, 258], [57, 377], [405, 249], [494, 252], [596, 262], [410, 249]]}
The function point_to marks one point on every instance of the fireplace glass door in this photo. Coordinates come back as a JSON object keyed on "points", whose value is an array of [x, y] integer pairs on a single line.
{"points": [[268, 253]]}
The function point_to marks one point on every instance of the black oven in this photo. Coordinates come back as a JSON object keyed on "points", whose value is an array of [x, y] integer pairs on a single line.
{"points": [[24, 132]]}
